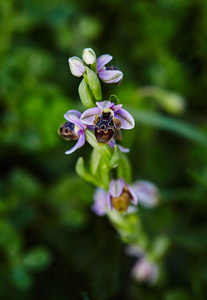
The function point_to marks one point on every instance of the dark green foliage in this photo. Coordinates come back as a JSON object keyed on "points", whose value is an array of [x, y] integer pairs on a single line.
{"points": [[51, 245]]}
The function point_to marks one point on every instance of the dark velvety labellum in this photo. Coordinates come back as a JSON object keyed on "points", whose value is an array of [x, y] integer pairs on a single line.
{"points": [[66, 131], [104, 128]]}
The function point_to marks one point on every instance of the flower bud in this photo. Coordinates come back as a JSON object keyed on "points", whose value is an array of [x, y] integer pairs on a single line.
{"points": [[89, 56], [77, 66]]}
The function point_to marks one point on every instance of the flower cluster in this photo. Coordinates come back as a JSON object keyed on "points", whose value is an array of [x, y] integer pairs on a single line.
{"points": [[106, 74], [104, 120]]}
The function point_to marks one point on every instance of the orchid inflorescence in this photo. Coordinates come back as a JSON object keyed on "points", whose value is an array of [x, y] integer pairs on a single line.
{"points": [[101, 125]]}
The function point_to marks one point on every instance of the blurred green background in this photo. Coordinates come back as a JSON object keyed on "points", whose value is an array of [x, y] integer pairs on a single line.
{"points": [[51, 245]]}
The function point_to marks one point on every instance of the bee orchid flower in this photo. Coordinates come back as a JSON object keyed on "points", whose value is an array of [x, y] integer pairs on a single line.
{"points": [[106, 118], [119, 197], [73, 129]]}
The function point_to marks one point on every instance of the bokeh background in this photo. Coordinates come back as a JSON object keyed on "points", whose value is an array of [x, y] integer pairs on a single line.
{"points": [[51, 245]]}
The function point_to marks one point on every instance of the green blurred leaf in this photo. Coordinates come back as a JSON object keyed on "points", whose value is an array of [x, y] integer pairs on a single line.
{"points": [[178, 294], [21, 279], [188, 131], [38, 258], [115, 157], [124, 168], [82, 172], [94, 161]]}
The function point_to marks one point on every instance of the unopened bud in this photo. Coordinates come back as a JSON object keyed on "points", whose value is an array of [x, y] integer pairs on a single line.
{"points": [[89, 56], [77, 66]]}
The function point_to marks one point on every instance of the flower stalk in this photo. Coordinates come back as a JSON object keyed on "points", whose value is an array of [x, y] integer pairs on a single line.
{"points": [[100, 125]]}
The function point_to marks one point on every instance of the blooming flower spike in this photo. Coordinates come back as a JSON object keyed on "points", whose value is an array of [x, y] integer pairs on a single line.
{"points": [[106, 118], [73, 129]]}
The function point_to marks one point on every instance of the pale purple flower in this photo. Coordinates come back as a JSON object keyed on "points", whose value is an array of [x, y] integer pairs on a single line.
{"points": [[145, 271], [106, 118], [147, 193], [111, 75], [119, 198], [121, 195], [73, 129], [100, 202]]}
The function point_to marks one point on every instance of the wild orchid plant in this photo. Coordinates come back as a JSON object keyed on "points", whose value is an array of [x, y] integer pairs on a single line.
{"points": [[101, 125]]}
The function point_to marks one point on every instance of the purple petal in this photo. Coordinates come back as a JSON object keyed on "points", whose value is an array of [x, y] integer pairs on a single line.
{"points": [[80, 143], [73, 116], [104, 104], [117, 107], [100, 202], [109, 201], [116, 187], [103, 60], [123, 149], [133, 194], [88, 116], [147, 193], [74, 112], [127, 121], [111, 76], [145, 271]]}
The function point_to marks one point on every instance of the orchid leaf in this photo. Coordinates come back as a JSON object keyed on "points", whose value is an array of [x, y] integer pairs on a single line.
{"points": [[115, 158], [181, 128], [83, 172], [124, 169], [94, 161], [94, 84], [85, 95]]}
